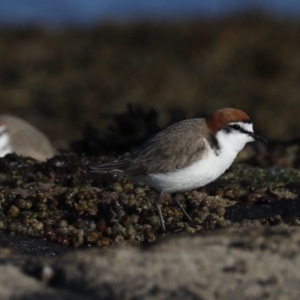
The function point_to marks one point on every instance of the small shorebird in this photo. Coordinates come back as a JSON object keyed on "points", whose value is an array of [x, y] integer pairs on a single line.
{"points": [[18, 136], [188, 154]]}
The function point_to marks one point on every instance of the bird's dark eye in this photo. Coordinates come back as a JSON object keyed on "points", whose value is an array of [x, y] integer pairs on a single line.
{"points": [[235, 127]]}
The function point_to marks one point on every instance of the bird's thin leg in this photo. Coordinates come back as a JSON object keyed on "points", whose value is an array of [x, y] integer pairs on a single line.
{"points": [[183, 211], [158, 207]]}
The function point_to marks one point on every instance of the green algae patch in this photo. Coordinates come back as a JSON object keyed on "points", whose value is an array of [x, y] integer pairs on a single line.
{"points": [[246, 177]]}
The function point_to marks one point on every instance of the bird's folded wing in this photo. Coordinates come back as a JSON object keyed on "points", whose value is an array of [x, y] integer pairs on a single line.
{"points": [[176, 147]]}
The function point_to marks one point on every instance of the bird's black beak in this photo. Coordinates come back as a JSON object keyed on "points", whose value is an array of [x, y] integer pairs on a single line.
{"points": [[258, 137]]}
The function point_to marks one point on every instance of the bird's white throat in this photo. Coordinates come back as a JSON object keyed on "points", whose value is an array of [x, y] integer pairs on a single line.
{"points": [[234, 141]]}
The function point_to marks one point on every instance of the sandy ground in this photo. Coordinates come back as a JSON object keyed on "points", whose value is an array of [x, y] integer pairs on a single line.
{"points": [[260, 263]]}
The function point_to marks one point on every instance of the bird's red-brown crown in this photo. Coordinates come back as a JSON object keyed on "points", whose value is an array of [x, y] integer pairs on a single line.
{"points": [[222, 117]]}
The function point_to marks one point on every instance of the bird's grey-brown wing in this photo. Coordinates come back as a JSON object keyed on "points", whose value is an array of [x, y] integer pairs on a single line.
{"points": [[175, 147]]}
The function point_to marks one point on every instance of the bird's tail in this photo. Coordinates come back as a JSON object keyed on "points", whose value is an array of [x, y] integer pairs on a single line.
{"points": [[114, 166]]}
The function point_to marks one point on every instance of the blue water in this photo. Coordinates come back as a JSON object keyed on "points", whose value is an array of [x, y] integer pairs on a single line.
{"points": [[88, 12]]}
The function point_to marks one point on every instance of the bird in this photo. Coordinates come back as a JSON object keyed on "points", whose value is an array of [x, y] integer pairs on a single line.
{"points": [[187, 155], [20, 137]]}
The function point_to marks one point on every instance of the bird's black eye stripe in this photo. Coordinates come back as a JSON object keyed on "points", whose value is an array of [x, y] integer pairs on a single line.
{"points": [[235, 127]]}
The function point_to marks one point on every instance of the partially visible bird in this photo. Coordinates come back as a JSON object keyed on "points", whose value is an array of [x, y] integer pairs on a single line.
{"points": [[188, 154], [20, 137]]}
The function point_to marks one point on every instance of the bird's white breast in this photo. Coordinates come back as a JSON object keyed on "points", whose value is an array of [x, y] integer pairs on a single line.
{"points": [[211, 165]]}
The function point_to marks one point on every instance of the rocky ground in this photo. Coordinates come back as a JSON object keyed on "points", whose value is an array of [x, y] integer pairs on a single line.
{"points": [[69, 234]]}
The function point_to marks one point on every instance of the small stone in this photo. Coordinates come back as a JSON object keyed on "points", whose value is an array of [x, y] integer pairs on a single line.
{"points": [[62, 223], [117, 187], [13, 211], [231, 194], [93, 237], [154, 221], [139, 190], [77, 239], [220, 211], [20, 203], [190, 230], [119, 239], [127, 187]]}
